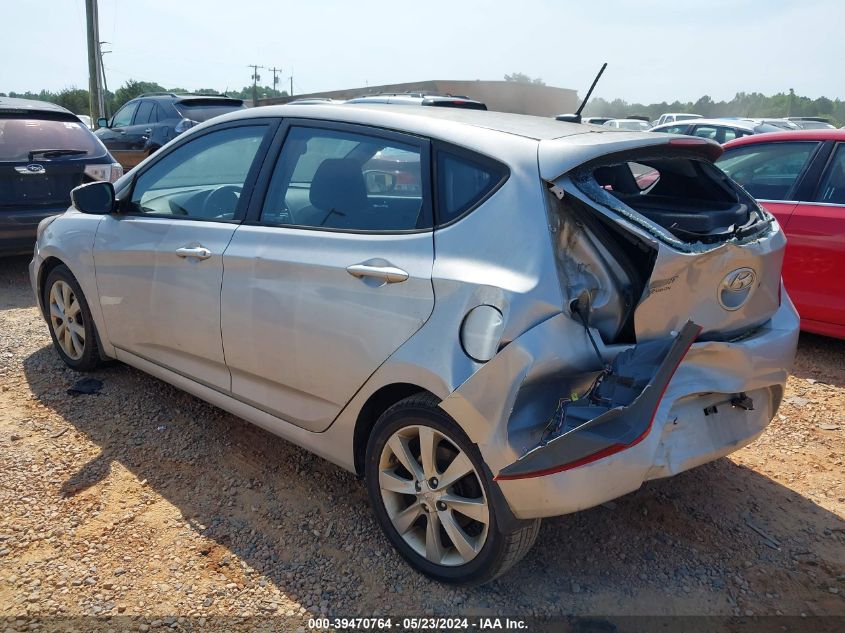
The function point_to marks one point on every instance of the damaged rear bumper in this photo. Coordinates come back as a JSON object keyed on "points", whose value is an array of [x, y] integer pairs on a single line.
{"points": [[695, 421]]}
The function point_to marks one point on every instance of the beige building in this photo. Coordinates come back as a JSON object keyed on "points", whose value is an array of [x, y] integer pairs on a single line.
{"points": [[503, 96]]}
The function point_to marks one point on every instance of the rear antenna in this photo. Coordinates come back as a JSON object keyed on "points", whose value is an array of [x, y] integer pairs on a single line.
{"points": [[576, 118]]}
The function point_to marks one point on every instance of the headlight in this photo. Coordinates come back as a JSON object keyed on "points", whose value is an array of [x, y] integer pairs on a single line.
{"points": [[109, 173]]}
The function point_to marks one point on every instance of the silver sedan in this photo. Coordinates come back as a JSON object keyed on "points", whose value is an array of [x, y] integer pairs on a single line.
{"points": [[492, 318]]}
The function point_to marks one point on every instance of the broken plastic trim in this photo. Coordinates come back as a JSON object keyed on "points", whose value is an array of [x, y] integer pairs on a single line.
{"points": [[603, 425]]}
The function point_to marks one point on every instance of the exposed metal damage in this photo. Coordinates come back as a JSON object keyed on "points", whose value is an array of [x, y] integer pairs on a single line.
{"points": [[615, 413]]}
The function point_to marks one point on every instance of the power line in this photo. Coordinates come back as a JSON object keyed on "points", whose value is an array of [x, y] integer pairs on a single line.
{"points": [[275, 72]]}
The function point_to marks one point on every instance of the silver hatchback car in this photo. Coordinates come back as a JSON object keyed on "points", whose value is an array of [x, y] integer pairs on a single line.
{"points": [[492, 318]]}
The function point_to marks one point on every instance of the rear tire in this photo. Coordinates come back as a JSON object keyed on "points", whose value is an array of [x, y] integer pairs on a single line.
{"points": [[69, 320], [436, 509]]}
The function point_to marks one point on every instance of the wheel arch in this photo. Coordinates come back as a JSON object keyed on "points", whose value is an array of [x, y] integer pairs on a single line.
{"points": [[46, 268], [377, 403]]}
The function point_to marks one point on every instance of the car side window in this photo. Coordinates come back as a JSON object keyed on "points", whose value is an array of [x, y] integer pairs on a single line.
{"points": [[706, 131], [768, 171], [729, 134], [832, 187], [674, 129], [124, 115], [145, 110], [347, 181], [202, 179], [462, 182]]}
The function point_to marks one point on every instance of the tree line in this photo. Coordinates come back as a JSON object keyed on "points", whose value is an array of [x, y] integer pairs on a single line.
{"points": [[76, 99], [744, 104]]}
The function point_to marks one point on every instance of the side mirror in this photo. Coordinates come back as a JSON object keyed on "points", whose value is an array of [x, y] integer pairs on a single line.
{"points": [[96, 198], [102, 122]]}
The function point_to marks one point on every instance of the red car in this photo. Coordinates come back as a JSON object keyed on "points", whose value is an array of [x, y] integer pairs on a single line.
{"points": [[800, 177]]}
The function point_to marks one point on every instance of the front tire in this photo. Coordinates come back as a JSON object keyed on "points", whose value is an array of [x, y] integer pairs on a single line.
{"points": [[427, 487], [69, 320]]}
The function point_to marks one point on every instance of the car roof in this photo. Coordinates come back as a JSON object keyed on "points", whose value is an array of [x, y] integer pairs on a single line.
{"points": [[178, 97], [790, 135], [415, 119], [745, 124], [31, 105], [562, 145]]}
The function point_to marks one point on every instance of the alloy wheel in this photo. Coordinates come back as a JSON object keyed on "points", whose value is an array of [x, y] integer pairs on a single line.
{"points": [[66, 320], [433, 495]]}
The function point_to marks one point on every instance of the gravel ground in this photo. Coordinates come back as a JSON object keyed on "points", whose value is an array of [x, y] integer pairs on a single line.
{"points": [[144, 502]]}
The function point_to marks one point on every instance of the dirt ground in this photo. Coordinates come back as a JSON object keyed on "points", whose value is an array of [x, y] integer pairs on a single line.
{"points": [[145, 504]]}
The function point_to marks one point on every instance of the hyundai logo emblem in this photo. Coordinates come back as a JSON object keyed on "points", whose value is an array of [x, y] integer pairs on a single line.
{"points": [[736, 287]]}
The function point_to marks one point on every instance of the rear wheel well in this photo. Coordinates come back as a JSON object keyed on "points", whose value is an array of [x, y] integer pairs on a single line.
{"points": [[46, 268], [379, 402]]}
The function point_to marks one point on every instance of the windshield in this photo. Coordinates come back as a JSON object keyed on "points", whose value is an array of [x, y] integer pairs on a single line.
{"points": [[18, 137], [202, 111]]}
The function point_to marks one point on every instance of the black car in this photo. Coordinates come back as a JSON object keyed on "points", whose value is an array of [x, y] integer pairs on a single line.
{"points": [[149, 121], [45, 151]]}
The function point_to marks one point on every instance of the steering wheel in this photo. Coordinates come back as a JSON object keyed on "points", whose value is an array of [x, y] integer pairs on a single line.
{"points": [[222, 202]]}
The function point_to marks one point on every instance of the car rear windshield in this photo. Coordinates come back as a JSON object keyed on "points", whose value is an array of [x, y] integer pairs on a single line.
{"points": [[203, 110], [20, 136]]}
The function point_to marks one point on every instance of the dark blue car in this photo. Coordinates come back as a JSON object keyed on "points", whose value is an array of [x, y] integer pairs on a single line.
{"points": [[45, 151]]}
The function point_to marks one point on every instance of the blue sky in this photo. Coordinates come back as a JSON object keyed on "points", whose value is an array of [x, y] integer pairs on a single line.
{"points": [[656, 50]]}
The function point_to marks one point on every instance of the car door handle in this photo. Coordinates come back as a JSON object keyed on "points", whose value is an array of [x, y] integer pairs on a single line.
{"points": [[200, 252], [149, 130], [389, 274]]}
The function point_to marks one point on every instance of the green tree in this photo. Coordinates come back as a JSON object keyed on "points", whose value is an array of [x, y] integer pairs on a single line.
{"points": [[132, 89], [522, 78], [74, 99]]}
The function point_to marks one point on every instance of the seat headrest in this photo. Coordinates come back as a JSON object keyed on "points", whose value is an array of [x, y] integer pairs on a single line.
{"points": [[338, 185]]}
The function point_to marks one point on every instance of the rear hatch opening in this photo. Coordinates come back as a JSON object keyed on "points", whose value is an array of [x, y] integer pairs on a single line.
{"points": [[676, 195]]}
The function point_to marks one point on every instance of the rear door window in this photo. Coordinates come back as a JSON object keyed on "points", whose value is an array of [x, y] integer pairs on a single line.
{"points": [[768, 171], [145, 111], [463, 182], [832, 188], [341, 180]]}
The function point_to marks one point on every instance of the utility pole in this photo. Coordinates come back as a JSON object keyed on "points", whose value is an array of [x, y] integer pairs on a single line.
{"points": [[105, 84], [255, 78], [94, 96], [276, 72], [291, 85]]}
